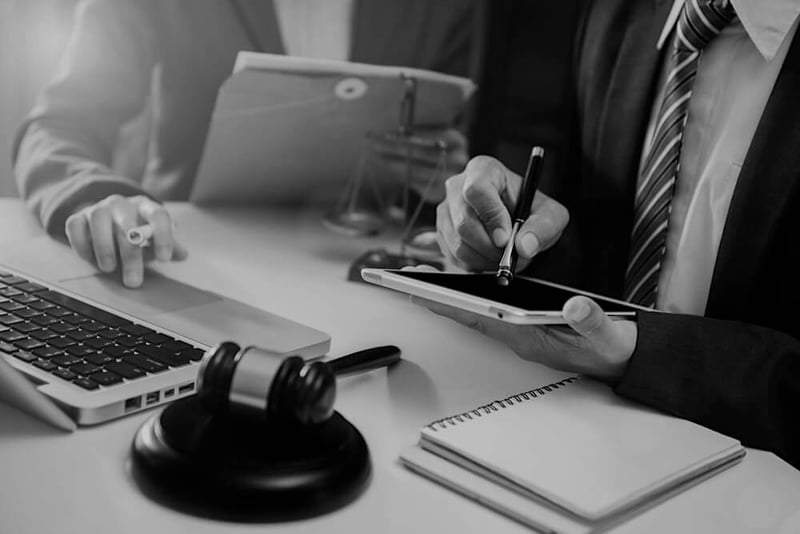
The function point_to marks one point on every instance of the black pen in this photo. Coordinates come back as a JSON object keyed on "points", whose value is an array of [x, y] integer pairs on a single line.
{"points": [[505, 271]]}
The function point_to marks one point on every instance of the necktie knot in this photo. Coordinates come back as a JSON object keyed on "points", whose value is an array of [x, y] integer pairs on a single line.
{"points": [[700, 21]]}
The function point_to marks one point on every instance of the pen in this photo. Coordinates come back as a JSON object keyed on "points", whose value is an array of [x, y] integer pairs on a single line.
{"points": [[140, 235], [505, 271]]}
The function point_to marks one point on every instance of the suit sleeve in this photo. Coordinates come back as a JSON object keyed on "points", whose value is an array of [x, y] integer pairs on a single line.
{"points": [[739, 379], [63, 151]]}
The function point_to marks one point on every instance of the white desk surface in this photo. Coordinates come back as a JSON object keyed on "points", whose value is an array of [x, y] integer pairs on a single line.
{"points": [[286, 262]]}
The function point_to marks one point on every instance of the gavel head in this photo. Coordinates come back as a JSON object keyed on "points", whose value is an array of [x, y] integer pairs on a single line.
{"points": [[255, 381]]}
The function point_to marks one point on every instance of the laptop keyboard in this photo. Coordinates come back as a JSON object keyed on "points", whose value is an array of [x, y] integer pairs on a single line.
{"points": [[78, 342]]}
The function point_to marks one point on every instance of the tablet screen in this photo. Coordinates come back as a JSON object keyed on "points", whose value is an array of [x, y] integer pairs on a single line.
{"points": [[522, 293]]}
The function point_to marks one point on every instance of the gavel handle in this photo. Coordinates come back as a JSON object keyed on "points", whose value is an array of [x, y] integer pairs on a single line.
{"points": [[365, 360]]}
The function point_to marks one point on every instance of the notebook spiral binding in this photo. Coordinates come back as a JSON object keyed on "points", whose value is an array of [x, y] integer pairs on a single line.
{"points": [[494, 406]]}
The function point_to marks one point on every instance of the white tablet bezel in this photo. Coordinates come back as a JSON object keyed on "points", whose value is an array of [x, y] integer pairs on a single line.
{"points": [[489, 308]]}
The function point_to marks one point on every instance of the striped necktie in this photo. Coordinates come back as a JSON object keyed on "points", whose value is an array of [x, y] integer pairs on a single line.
{"points": [[698, 23]]}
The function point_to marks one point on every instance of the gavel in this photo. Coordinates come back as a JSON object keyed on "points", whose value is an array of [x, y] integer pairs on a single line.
{"points": [[252, 381]]}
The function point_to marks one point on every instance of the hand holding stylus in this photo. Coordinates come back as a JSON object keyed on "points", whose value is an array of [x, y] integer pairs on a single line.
{"points": [[474, 221], [474, 224], [508, 261]]}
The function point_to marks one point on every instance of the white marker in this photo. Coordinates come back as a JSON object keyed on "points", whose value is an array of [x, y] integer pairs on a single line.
{"points": [[140, 235]]}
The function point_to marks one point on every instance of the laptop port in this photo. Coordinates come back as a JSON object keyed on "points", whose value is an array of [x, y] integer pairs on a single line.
{"points": [[186, 388], [134, 403], [151, 398], [168, 393]]}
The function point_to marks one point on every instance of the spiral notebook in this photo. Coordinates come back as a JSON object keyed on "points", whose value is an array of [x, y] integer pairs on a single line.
{"points": [[569, 457]]}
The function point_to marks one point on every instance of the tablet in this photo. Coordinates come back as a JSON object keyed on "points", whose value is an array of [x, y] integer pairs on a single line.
{"points": [[525, 301]]}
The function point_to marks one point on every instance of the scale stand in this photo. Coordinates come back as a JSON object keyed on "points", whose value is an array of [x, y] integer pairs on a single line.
{"points": [[348, 217], [417, 246]]}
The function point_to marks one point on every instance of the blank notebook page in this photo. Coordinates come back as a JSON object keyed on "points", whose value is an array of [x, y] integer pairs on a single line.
{"points": [[582, 447]]}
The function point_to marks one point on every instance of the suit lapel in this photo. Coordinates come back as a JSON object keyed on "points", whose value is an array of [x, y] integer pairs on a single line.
{"points": [[767, 184], [618, 139], [261, 23], [376, 29]]}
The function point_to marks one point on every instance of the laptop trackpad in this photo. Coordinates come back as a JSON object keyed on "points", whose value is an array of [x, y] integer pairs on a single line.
{"points": [[157, 295], [200, 315]]}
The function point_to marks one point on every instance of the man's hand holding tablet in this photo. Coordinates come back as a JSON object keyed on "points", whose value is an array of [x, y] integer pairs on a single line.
{"points": [[473, 224], [529, 316]]}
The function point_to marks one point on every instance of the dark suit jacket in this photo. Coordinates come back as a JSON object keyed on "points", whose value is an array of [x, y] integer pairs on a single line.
{"points": [[737, 369], [180, 52]]}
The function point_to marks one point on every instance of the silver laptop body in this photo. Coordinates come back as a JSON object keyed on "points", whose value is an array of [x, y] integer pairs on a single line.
{"points": [[183, 312]]}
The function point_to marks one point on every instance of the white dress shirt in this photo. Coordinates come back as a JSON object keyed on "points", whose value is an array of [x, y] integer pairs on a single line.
{"points": [[735, 76], [316, 28]]}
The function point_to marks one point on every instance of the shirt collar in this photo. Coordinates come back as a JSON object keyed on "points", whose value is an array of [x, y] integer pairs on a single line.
{"points": [[767, 22]]}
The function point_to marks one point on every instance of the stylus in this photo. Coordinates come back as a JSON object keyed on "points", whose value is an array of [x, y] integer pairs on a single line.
{"points": [[530, 183]]}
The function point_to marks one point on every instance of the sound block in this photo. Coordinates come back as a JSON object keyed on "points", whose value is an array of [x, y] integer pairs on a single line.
{"points": [[248, 469]]}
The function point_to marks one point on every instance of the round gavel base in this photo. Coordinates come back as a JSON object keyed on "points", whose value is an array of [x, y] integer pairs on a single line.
{"points": [[244, 470]]}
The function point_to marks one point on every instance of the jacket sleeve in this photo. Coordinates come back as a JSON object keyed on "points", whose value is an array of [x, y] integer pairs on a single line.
{"points": [[736, 378], [459, 50], [459, 42], [63, 151]]}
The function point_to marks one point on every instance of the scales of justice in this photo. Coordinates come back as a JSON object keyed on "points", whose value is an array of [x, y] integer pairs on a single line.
{"points": [[364, 209]]}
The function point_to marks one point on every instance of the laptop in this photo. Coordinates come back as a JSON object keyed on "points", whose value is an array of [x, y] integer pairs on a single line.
{"points": [[98, 350]]}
